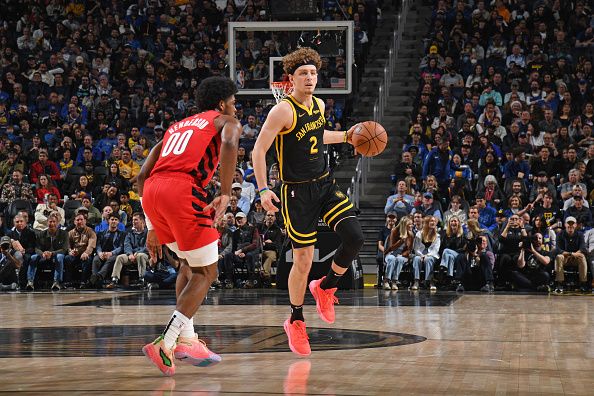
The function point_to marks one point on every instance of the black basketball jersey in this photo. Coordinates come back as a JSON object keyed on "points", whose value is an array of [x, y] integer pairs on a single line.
{"points": [[300, 148]]}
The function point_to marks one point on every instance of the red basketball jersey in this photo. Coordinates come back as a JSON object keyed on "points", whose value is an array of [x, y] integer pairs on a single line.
{"points": [[191, 146]]}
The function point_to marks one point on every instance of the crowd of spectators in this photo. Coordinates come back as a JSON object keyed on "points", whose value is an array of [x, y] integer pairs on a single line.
{"points": [[86, 89], [495, 183]]}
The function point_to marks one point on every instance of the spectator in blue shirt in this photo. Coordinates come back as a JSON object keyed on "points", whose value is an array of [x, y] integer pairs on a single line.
{"points": [[437, 163], [487, 214]]}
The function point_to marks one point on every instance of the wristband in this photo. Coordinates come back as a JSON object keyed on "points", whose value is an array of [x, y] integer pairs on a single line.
{"points": [[346, 137], [263, 191], [149, 225]]}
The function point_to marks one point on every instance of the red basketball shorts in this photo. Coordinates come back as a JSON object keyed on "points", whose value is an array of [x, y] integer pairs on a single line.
{"points": [[174, 204]]}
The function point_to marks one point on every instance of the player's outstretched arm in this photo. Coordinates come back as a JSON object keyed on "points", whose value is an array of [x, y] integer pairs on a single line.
{"points": [[153, 245], [334, 137], [230, 132], [277, 120], [148, 166]]}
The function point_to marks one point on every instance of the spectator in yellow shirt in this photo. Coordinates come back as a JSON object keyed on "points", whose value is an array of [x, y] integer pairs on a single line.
{"points": [[128, 168]]}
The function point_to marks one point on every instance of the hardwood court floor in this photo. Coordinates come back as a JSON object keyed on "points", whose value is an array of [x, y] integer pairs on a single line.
{"points": [[383, 343]]}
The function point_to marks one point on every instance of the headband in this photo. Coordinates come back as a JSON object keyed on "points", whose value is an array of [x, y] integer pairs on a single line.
{"points": [[303, 63]]}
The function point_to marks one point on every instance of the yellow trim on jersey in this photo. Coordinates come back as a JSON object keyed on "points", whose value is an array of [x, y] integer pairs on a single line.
{"points": [[290, 129], [338, 205], [290, 229], [339, 212], [301, 106], [279, 154]]}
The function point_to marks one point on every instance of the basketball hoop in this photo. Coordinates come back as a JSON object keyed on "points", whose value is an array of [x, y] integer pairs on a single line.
{"points": [[281, 89]]}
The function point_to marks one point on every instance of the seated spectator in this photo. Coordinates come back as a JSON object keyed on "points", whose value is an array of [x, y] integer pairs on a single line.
{"points": [[50, 247], [257, 214], [577, 190], [25, 236], [81, 188], [16, 189], [589, 245], [486, 213], [272, 238], [578, 210], [513, 233], [455, 209], [473, 270], [128, 168], [135, 251], [428, 207], [406, 167], [93, 215], [81, 244], [548, 236], [242, 201], [571, 251], [104, 224], [397, 252], [573, 180], [249, 133], [400, 202], [244, 250], [44, 210], [9, 165], [44, 167], [426, 251], [233, 208], [110, 244], [114, 178], [163, 273], [248, 189], [45, 187], [11, 261], [123, 216], [494, 197], [534, 266], [452, 244]]}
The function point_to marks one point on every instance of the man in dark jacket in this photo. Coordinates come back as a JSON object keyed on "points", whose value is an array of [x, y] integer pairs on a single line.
{"points": [[571, 247], [272, 236], [246, 241], [50, 247], [25, 235], [135, 251], [110, 244]]}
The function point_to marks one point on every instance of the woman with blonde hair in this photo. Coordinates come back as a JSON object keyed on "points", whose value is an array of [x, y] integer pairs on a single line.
{"points": [[400, 243], [426, 249], [453, 243]]}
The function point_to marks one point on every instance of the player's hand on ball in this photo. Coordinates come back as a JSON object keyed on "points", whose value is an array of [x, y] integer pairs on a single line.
{"points": [[219, 205], [153, 246], [350, 133], [267, 199]]}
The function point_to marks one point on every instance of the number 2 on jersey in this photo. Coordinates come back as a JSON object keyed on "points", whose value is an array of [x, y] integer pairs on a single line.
{"points": [[177, 143], [314, 142]]}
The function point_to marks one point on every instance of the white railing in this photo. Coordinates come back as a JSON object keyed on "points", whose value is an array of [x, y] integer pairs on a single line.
{"points": [[359, 181]]}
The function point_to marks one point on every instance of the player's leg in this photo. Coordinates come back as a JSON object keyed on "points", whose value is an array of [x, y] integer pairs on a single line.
{"points": [[351, 236], [295, 325]]}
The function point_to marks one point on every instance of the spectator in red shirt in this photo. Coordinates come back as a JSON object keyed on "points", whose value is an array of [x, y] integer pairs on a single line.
{"points": [[44, 166]]}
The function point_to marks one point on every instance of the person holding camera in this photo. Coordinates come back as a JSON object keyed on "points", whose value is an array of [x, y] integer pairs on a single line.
{"points": [[473, 270], [509, 244], [534, 269], [50, 247], [11, 261]]}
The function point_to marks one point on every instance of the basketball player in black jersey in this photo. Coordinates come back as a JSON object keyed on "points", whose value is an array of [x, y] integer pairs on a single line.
{"points": [[296, 126]]}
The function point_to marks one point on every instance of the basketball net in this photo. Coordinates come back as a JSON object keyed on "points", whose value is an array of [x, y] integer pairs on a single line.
{"points": [[281, 89]]}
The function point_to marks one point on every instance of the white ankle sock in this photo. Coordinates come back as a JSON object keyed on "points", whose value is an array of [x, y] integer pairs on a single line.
{"points": [[177, 322], [188, 329]]}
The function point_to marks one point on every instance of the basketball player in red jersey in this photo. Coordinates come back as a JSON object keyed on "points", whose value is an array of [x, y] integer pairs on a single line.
{"points": [[174, 200], [296, 125]]}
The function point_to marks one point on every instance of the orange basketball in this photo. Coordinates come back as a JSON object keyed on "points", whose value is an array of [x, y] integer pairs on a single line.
{"points": [[369, 138]]}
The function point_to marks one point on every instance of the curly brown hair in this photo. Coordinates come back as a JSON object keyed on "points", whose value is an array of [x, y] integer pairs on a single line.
{"points": [[302, 56]]}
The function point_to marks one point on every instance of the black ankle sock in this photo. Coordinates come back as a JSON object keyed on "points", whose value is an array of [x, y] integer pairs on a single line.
{"points": [[331, 280], [297, 313]]}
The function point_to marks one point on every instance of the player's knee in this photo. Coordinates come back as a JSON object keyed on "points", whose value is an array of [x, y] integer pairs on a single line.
{"points": [[350, 233]]}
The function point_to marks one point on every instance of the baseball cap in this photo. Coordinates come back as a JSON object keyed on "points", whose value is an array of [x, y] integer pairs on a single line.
{"points": [[582, 81], [5, 239], [578, 197], [522, 134], [541, 173], [52, 108], [570, 219], [81, 209], [159, 127], [500, 213], [433, 49], [236, 185], [428, 195], [392, 214], [240, 214]]}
